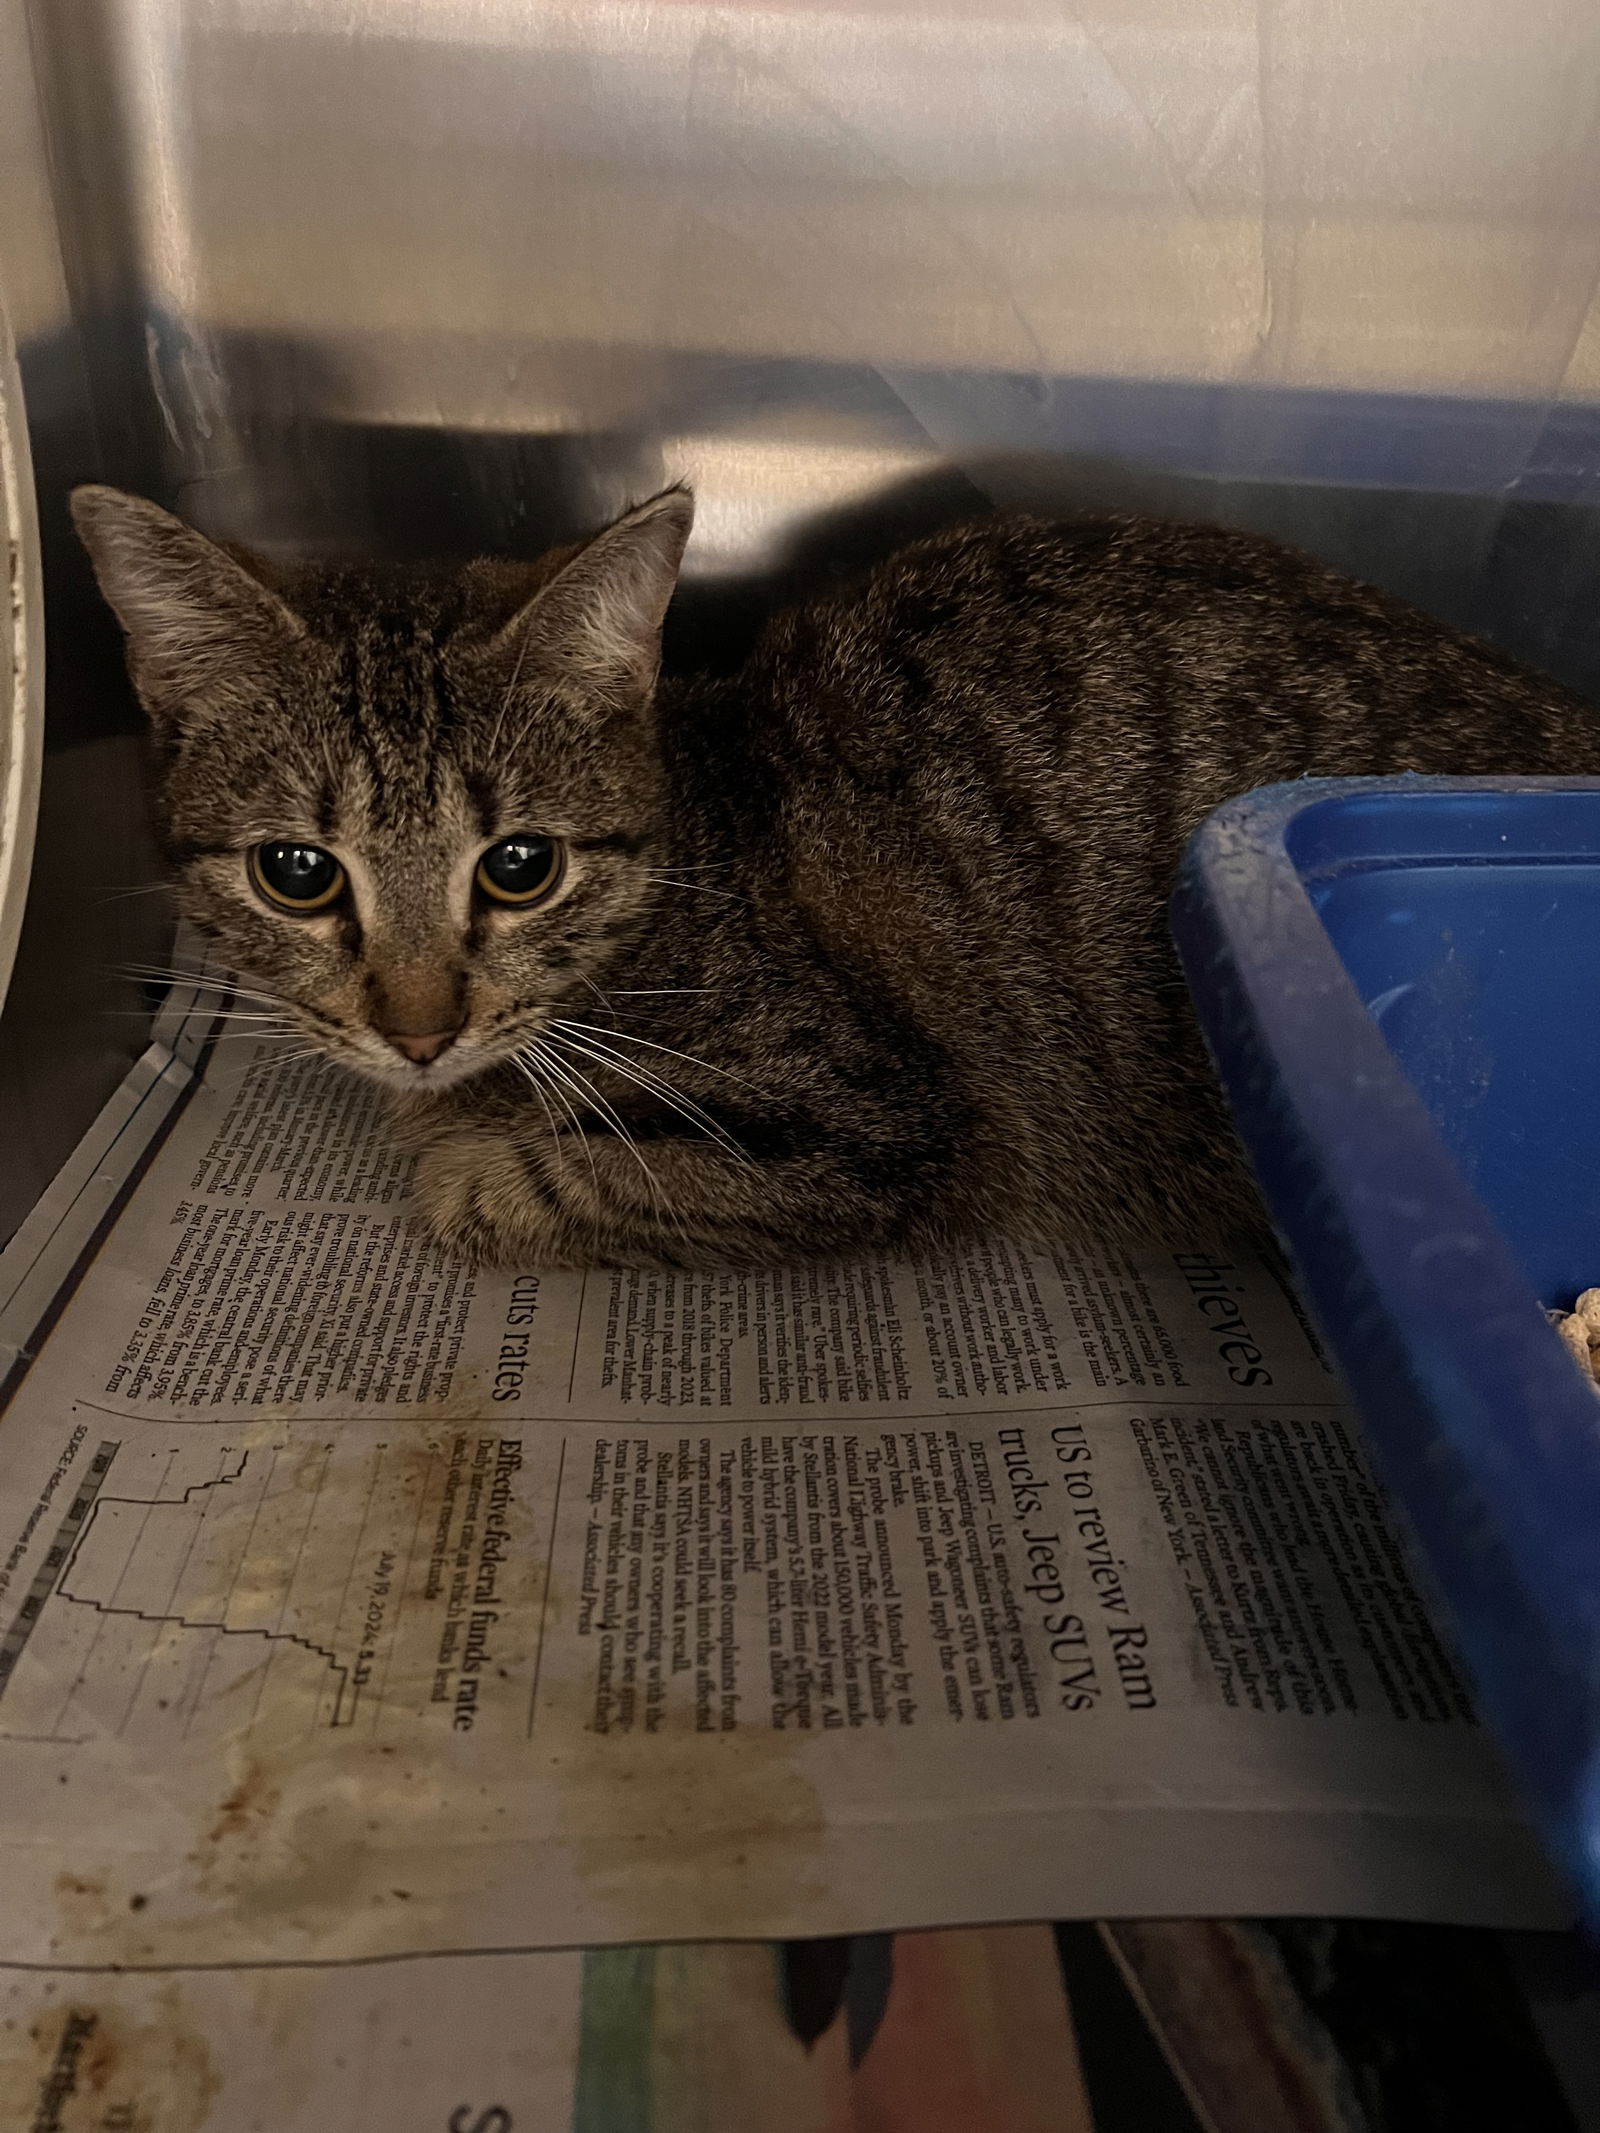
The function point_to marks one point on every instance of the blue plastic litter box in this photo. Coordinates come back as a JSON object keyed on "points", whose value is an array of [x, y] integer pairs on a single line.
{"points": [[1399, 981]]}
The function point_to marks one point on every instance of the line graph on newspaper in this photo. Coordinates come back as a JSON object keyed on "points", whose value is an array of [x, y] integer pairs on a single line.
{"points": [[192, 1588]]}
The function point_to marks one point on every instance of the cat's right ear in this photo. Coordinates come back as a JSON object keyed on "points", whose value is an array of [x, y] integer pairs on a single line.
{"points": [[200, 627]]}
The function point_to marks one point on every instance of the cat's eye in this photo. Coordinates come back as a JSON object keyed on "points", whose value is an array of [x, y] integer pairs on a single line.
{"points": [[296, 877], [520, 870]]}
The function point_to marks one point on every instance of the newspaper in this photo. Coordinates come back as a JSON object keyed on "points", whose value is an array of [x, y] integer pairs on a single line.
{"points": [[491, 2045], [357, 1605]]}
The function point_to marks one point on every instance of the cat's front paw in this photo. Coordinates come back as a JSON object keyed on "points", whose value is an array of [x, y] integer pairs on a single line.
{"points": [[484, 1203]]}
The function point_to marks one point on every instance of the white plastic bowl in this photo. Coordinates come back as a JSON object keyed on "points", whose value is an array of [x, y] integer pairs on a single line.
{"points": [[21, 659]]}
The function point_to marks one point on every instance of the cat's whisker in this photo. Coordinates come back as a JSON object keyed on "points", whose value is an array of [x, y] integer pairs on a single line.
{"points": [[536, 1052], [282, 1010], [643, 1078], [263, 1032], [710, 1131], [260, 1026], [143, 1014], [168, 970], [579, 1080], [653, 1085], [591, 1094], [606, 998], [266, 1036], [665, 1211], [153, 973], [533, 1055], [629, 1036], [657, 1085], [166, 979], [223, 982], [665, 881], [151, 888], [245, 1014], [534, 1083], [245, 1067]]}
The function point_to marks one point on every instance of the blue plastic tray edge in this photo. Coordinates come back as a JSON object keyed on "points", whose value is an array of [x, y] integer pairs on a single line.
{"points": [[1478, 1425]]}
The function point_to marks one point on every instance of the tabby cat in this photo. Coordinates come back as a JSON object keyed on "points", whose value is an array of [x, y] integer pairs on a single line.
{"points": [[863, 946]]}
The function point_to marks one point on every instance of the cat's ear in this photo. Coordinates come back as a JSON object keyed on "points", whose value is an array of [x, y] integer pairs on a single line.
{"points": [[596, 625], [200, 625]]}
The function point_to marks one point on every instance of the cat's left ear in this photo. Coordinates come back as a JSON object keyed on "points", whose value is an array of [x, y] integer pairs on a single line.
{"points": [[595, 628]]}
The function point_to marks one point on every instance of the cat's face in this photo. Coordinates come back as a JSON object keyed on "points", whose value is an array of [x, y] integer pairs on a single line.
{"points": [[417, 812]]}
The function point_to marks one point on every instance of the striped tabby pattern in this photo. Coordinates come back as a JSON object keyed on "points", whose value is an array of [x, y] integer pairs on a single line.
{"points": [[862, 947]]}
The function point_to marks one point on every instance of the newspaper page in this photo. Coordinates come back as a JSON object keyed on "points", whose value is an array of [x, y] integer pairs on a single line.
{"points": [[441, 2045], [355, 1604]]}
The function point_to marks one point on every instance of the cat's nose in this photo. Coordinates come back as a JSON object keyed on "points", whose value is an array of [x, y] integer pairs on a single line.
{"points": [[422, 1047]]}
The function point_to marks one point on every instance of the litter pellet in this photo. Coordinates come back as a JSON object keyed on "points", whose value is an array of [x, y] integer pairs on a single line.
{"points": [[1580, 1329]]}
